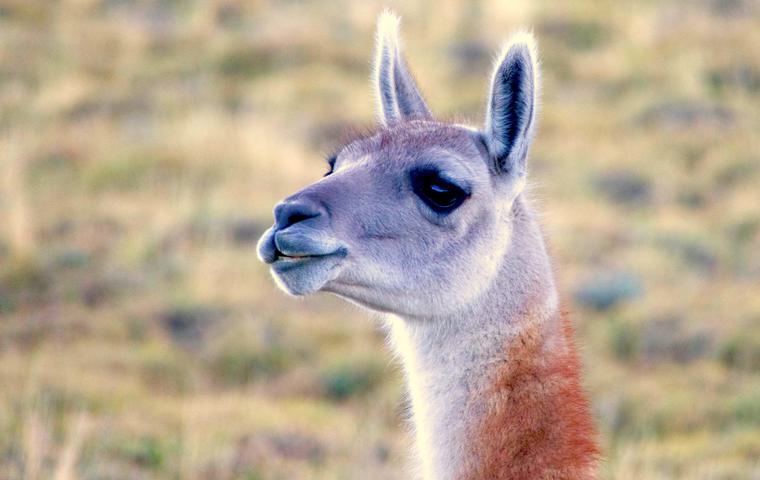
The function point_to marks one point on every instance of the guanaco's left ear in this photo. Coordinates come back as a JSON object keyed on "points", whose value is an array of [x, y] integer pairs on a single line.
{"points": [[512, 105], [397, 95]]}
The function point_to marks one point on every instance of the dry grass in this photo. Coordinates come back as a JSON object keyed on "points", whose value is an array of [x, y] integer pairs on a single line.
{"points": [[144, 144]]}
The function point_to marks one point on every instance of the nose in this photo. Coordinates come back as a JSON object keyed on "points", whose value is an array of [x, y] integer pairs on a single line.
{"points": [[289, 213]]}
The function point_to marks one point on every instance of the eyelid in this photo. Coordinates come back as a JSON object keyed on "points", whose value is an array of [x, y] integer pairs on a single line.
{"points": [[458, 184], [435, 172]]}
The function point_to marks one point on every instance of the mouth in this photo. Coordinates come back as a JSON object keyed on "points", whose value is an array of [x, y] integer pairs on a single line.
{"points": [[281, 260], [305, 274], [301, 261], [279, 256]]}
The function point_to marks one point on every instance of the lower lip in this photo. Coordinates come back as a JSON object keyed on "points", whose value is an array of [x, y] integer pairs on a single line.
{"points": [[283, 258]]}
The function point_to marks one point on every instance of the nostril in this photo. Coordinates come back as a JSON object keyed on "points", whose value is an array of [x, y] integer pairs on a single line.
{"points": [[287, 214]]}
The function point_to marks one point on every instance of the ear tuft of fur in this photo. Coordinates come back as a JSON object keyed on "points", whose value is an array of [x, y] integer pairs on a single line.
{"points": [[388, 25], [398, 97], [521, 38], [386, 50]]}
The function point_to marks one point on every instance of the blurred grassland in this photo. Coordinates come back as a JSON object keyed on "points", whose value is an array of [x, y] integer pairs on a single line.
{"points": [[144, 143]]}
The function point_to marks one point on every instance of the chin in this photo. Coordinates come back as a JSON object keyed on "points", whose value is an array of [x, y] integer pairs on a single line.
{"points": [[306, 275], [372, 299]]}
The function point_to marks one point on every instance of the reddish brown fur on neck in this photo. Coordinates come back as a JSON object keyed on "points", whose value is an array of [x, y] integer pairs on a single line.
{"points": [[536, 421]]}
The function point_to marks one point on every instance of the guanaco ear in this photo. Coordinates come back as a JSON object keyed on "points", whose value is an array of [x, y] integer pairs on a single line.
{"points": [[398, 98], [512, 105]]}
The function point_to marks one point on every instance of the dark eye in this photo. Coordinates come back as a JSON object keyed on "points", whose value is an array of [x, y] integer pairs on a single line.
{"points": [[441, 195], [331, 164]]}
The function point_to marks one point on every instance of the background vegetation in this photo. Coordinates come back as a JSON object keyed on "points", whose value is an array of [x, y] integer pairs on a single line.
{"points": [[144, 143]]}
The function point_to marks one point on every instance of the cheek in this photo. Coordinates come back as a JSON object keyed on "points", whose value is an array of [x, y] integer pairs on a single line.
{"points": [[385, 239], [488, 251], [398, 250], [378, 225], [471, 248], [398, 241], [475, 256]]}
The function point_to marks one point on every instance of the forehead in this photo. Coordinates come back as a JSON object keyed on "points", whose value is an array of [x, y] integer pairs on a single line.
{"points": [[415, 141]]}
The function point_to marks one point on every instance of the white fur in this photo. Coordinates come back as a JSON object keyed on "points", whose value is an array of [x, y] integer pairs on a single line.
{"points": [[440, 379]]}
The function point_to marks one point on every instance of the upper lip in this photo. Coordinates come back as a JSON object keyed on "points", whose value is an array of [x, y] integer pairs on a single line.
{"points": [[297, 244], [305, 254], [279, 254]]}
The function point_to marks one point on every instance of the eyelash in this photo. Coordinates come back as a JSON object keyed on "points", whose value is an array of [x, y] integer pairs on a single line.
{"points": [[331, 164]]}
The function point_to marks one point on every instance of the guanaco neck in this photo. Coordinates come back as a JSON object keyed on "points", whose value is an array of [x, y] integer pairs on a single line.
{"points": [[495, 390]]}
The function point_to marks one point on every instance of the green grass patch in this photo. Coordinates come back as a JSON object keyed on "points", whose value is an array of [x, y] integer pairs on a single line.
{"points": [[350, 379], [240, 365]]}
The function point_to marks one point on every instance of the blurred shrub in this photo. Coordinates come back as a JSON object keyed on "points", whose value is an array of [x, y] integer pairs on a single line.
{"points": [[188, 325], [741, 351], [666, 339], [686, 114], [691, 197], [624, 340], [746, 230], [147, 451], [351, 379], [736, 172], [24, 274], [134, 170], [608, 289], [6, 303], [70, 258], [745, 410], [247, 352], [656, 340], [58, 400], [256, 456], [618, 415], [631, 417], [237, 230], [578, 35], [469, 56], [241, 364], [22, 281], [129, 172], [255, 449], [736, 77], [165, 368], [693, 251], [248, 61], [729, 7], [245, 231], [623, 187]]}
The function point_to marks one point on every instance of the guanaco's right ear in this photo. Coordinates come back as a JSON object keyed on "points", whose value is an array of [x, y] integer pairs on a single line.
{"points": [[512, 105], [398, 97]]}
